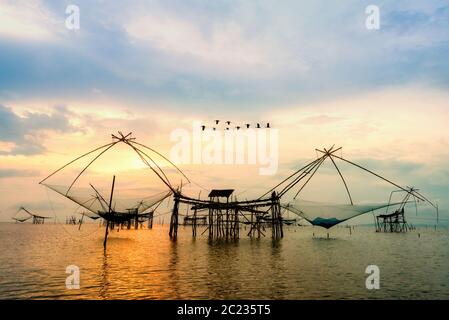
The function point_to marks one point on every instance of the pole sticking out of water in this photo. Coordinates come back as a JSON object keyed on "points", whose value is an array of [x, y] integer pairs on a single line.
{"points": [[110, 209]]}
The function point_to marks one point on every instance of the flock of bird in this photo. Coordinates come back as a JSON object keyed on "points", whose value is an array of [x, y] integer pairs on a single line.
{"points": [[228, 123]]}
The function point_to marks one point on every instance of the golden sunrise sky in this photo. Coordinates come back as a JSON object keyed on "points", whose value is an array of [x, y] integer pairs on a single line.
{"points": [[311, 69]]}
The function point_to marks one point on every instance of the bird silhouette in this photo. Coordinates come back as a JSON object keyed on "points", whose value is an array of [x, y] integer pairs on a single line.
{"points": [[203, 127], [258, 126], [213, 129], [227, 128], [228, 122], [268, 125], [237, 127], [217, 121]]}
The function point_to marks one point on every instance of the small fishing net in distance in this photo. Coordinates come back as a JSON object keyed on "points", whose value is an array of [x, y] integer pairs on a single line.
{"points": [[328, 215]]}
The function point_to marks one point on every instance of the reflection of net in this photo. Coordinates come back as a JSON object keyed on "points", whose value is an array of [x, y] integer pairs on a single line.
{"points": [[328, 215], [95, 202]]}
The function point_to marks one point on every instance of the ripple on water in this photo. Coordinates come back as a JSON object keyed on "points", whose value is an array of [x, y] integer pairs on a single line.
{"points": [[145, 264]]}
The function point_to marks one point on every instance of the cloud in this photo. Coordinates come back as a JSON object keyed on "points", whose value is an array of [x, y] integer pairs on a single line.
{"points": [[416, 27], [26, 132], [223, 47], [402, 168], [319, 120], [27, 20], [228, 53], [13, 173]]}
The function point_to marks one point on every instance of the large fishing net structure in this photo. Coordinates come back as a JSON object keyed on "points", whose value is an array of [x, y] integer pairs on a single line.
{"points": [[121, 206], [328, 215], [221, 214], [115, 205]]}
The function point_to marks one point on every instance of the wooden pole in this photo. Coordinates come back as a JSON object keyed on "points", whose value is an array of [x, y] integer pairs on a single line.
{"points": [[237, 224], [174, 218], [150, 220], [110, 210], [81, 222], [194, 224]]}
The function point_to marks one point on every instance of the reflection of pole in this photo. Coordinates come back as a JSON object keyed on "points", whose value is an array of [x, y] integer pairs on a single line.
{"points": [[110, 210], [106, 234]]}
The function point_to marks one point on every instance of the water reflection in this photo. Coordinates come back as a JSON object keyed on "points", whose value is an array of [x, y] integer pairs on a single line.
{"points": [[173, 269], [104, 285], [145, 264]]}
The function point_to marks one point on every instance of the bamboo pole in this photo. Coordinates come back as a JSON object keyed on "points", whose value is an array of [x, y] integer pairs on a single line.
{"points": [[110, 210]]}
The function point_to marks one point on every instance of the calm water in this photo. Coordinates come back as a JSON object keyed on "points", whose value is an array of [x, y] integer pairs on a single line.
{"points": [[145, 264]]}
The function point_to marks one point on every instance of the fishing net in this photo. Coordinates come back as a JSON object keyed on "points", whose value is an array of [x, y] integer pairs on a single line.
{"points": [[21, 215], [98, 202], [328, 215], [123, 205]]}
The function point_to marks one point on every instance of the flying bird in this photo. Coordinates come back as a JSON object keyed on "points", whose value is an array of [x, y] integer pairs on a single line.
{"points": [[247, 126], [268, 125], [217, 121], [228, 122], [203, 127], [258, 126], [237, 127]]}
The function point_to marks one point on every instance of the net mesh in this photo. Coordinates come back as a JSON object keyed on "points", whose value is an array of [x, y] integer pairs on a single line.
{"points": [[97, 203], [328, 215]]}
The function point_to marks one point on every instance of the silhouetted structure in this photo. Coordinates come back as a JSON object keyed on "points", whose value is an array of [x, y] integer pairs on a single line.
{"points": [[221, 213], [225, 216], [96, 203], [393, 222], [37, 219]]}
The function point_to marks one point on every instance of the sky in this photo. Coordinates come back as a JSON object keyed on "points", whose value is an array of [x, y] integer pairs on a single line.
{"points": [[310, 68]]}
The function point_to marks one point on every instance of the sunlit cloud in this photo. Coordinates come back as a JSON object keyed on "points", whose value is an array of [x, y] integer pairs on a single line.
{"points": [[28, 21], [22, 134], [311, 69], [222, 47], [13, 173]]}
